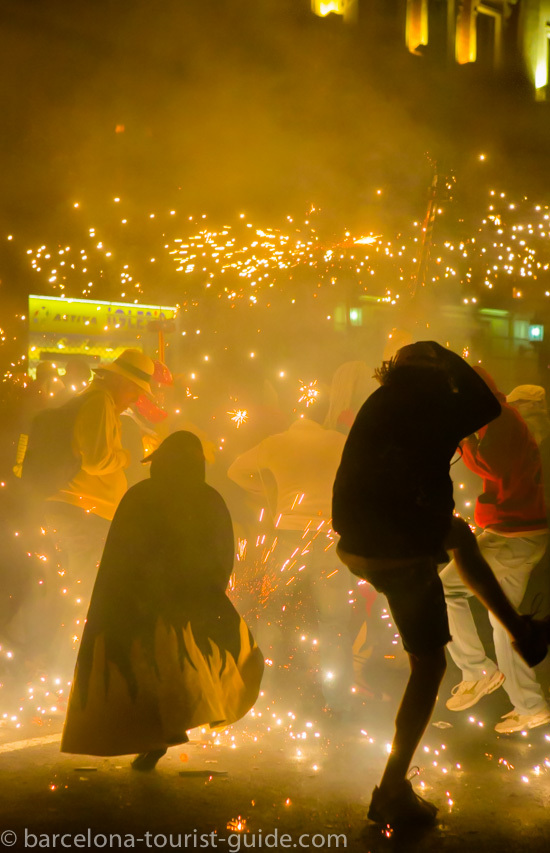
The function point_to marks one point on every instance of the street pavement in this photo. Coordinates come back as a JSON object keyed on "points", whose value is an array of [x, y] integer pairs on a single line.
{"points": [[289, 776]]}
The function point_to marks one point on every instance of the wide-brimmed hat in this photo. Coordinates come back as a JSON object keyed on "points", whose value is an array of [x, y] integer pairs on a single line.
{"points": [[133, 365], [527, 394]]}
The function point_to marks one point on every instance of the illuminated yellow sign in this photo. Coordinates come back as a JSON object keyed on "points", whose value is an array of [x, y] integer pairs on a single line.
{"points": [[99, 331], [52, 315]]}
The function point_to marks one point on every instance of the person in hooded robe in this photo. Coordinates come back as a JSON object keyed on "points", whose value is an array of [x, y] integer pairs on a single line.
{"points": [[163, 649]]}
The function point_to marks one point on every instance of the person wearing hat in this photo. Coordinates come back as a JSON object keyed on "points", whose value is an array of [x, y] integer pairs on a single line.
{"points": [[82, 509], [163, 650], [530, 402]]}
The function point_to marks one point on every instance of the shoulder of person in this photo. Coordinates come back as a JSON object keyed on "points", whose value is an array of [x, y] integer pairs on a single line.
{"points": [[384, 399], [93, 398], [509, 421], [140, 493], [214, 496]]}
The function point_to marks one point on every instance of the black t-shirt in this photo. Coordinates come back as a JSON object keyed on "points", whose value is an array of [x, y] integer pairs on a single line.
{"points": [[393, 496]]}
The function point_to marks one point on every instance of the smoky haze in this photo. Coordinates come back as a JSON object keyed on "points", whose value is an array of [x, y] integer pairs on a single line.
{"points": [[234, 103], [222, 105]]}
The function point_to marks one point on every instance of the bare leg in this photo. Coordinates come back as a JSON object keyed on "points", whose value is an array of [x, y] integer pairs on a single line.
{"points": [[413, 715], [478, 576]]}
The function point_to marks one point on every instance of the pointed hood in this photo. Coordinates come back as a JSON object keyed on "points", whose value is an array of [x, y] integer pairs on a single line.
{"points": [[180, 457]]}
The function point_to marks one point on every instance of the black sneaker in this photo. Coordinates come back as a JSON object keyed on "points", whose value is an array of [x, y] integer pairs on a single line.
{"points": [[533, 647], [404, 807]]}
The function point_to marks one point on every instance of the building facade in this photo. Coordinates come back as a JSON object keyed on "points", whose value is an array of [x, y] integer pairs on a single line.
{"points": [[499, 34]]}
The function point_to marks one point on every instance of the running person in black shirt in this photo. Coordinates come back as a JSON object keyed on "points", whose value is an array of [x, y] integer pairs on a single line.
{"points": [[393, 508]]}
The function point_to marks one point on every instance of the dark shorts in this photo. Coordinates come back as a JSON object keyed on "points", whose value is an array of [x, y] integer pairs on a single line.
{"points": [[417, 604]]}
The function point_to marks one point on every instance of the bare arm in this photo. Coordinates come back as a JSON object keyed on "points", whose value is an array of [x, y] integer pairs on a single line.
{"points": [[476, 403]]}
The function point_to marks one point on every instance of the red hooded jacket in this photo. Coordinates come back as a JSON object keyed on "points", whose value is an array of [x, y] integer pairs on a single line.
{"points": [[506, 456]]}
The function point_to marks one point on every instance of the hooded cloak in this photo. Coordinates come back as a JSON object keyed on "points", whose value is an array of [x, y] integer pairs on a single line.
{"points": [[163, 649]]}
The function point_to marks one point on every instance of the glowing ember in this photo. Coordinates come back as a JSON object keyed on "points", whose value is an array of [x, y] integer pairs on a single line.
{"points": [[308, 392], [239, 417]]}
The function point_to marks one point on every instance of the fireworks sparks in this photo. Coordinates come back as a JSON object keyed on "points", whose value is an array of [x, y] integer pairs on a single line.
{"points": [[308, 393], [237, 824], [239, 417], [366, 241], [504, 255], [501, 262]]}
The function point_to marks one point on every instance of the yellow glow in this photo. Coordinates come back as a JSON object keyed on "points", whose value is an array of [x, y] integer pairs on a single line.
{"points": [[541, 73], [466, 36], [416, 33], [366, 241], [240, 416], [326, 7], [308, 393]]}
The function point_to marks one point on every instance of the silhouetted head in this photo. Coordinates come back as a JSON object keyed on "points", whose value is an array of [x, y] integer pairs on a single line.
{"points": [[418, 355], [180, 457]]}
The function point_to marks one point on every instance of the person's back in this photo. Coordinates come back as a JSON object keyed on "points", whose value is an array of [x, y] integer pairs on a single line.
{"points": [[508, 460], [163, 649], [82, 509], [190, 536], [393, 489], [100, 483], [302, 461]]}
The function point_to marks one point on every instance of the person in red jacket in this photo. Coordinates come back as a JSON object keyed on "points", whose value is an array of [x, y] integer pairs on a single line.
{"points": [[511, 512]]}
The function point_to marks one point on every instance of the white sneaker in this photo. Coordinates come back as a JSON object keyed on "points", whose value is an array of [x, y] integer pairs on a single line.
{"points": [[467, 693], [515, 722]]}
